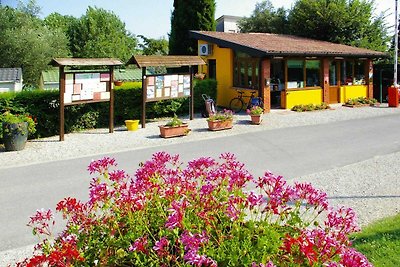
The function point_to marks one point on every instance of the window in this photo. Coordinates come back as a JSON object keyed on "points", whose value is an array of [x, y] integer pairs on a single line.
{"points": [[359, 72], [333, 73], [312, 73], [353, 72], [295, 73], [245, 71]]}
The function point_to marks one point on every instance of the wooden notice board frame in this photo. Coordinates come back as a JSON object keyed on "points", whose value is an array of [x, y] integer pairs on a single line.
{"points": [[169, 62], [83, 87]]}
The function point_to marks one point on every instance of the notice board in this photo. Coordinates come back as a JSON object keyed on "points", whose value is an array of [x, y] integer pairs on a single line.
{"points": [[160, 87], [82, 87]]}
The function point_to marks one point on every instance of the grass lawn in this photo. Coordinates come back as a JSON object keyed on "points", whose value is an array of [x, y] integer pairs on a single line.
{"points": [[380, 242]]}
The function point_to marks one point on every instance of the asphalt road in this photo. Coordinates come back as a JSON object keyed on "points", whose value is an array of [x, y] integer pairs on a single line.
{"points": [[291, 152]]}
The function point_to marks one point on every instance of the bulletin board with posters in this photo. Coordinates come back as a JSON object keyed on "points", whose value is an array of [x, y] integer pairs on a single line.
{"points": [[80, 86], [160, 87], [86, 87]]}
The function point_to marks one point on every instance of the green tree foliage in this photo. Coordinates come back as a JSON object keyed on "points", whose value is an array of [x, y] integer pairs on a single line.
{"points": [[28, 43], [189, 15], [265, 19], [349, 22], [101, 33], [150, 46]]}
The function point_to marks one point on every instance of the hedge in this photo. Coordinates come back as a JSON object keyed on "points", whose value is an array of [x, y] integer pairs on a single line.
{"points": [[43, 106]]}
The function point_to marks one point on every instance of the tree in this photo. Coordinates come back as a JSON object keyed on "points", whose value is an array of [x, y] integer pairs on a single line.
{"points": [[101, 33], [153, 46], [340, 21], [265, 19], [28, 44], [189, 15]]}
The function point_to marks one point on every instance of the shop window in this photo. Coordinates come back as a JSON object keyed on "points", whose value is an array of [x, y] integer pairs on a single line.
{"points": [[333, 73], [295, 73], [359, 72], [347, 72], [245, 71], [312, 73]]}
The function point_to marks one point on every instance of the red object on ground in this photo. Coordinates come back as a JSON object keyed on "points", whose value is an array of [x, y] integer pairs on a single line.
{"points": [[393, 94]]}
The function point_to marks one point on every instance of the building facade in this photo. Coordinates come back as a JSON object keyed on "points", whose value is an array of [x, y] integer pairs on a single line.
{"points": [[10, 80], [227, 23], [286, 70]]}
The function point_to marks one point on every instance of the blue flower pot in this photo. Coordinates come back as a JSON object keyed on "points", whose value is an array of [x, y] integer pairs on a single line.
{"points": [[15, 135]]}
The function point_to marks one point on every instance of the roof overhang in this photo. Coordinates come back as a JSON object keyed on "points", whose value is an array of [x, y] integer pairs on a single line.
{"points": [[256, 52], [64, 62], [165, 61]]}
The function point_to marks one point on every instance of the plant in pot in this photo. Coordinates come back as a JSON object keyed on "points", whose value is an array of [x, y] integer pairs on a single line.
{"points": [[173, 128], [221, 120], [255, 113], [15, 130]]}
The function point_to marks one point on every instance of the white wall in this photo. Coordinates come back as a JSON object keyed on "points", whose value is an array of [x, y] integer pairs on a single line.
{"points": [[10, 87]]}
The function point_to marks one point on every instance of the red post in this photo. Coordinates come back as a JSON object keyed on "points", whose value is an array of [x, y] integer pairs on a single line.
{"points": [[393, 93]]}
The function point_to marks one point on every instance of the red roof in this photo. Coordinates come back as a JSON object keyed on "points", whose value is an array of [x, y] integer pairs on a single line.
{"points": [[264, 44]]}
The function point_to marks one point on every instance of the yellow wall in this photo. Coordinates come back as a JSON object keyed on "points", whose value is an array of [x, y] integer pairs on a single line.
{"points": [[224, 61], [304, 97], [352, 91]]}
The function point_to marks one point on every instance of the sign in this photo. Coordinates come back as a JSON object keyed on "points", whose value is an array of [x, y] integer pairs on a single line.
{"points": [[159, 87], [80, 87]]}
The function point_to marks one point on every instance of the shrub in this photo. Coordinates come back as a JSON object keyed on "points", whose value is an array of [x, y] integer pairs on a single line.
{"points": [[201, 215], [360, 101], [310, 107]]}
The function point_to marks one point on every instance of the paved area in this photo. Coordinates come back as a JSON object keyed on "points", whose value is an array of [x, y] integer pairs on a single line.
{"points": [[371, 186]]}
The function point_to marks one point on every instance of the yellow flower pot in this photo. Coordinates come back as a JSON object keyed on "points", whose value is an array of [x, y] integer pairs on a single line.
{"points": [[132, 125]]}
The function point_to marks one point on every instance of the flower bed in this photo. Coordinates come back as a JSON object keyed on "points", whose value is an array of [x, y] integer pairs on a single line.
{"points": [[200, 215], [360, 102], [310, 107]]}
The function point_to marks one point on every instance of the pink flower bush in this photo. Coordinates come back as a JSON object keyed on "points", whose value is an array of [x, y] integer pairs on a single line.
{"points": [[198, 215]]}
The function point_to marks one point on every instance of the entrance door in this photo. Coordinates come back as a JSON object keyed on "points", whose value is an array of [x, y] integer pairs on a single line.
{"points": [[334, 89]]}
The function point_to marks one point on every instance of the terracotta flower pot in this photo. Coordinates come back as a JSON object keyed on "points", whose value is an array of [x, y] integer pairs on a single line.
{"points": [[117, 83], [173, 131], [218, 125], [256, 119]]}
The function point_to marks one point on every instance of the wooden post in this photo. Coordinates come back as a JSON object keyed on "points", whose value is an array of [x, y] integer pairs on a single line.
{"points": [[191, 104], [61, 85], [144, 97], [325, 86], [111, 112], [265, 84], [369, 75]]}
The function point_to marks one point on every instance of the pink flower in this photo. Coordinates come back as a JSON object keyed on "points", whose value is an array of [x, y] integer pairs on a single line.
{"points": [[139, 245], [353, 258], [192, 241], [342, 220], [161, 247], [312, 196], [177, 211], [42, 221], [101, 166], [269, 264], [254, 200], [199, 260]]}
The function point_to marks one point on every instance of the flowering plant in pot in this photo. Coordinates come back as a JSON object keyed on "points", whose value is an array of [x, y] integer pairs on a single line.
{"points": [[173, 128], [199, 215], [220, 120], [255, 113], [15, 130]]}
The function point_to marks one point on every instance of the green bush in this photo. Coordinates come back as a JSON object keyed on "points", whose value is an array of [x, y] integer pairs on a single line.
{"points": [[310, 107], [44, 107], [360, 101]]}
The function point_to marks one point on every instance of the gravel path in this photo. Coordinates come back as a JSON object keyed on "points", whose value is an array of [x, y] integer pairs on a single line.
{"points": [[371, 187]]}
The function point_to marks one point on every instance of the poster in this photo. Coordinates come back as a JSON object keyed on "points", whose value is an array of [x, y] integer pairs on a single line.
{"points": [[159, 92], [180, 88], [167, 80], [186, 81], [105, 77], [167, 91], [150, 81], [150, 92]]}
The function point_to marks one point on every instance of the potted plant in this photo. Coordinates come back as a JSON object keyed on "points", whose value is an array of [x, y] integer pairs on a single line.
{"points": [[255, 113], [175, 127], [221, 120], [16, 129], [118, 83]]}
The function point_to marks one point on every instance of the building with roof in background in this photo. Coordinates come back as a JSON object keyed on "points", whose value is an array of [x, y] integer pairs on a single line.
{"points": [[285, 70], [10, 80]]}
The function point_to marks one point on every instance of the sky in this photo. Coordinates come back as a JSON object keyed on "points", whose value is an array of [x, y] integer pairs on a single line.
{"points": [[151, 18]]}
